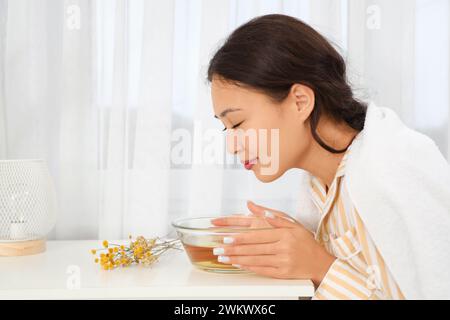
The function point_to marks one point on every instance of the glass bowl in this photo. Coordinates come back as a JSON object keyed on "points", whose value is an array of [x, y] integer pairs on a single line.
{"points": [[200, 236]]}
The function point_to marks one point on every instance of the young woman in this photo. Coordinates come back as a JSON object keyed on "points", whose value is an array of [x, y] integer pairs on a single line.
{"points": [[375, 216]]}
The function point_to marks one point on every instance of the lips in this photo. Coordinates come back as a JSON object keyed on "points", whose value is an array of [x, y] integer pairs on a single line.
{"points": [[250, 163]]}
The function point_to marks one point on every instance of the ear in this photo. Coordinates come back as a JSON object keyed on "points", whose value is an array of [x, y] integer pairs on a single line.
{"points": [[304, 98]]}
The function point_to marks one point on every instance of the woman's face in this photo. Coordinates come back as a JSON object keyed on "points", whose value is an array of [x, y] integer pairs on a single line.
{"points": [[275, 135]]}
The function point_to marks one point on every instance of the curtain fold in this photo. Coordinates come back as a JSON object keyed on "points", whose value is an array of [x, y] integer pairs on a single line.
{"points": [[3, 31], [134, 72], [74, 160], [111, 92]]}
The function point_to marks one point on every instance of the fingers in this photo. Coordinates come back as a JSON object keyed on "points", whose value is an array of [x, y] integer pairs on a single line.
{"points": [[254, 237], [259, 261], [280, 222], [261, 211], [247, 249], [242, 221], [255, 209]]}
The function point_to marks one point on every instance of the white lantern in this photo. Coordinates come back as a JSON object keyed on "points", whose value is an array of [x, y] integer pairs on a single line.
{"points": [[27, 206]]}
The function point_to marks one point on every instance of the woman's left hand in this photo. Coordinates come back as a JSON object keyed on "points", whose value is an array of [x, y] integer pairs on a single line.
{"points": [[289, 251]]}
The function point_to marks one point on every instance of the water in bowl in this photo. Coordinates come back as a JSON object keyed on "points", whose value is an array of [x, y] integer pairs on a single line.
{"points": [[200, 252]]}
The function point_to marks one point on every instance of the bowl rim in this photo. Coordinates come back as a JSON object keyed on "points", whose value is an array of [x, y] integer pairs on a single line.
{"points": [[175, 224]]}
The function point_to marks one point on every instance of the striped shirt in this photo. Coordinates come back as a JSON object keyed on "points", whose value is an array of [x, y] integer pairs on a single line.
{"points": [[359, 272]]}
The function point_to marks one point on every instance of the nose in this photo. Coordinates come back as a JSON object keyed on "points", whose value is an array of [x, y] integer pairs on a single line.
{"points": [[234, 146]]}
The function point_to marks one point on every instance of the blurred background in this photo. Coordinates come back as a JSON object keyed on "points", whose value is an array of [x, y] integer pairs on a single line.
{"points": [[97, 89]]}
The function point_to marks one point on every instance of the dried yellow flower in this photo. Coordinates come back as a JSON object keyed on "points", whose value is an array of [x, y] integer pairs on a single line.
{"points": [[140, 251]]}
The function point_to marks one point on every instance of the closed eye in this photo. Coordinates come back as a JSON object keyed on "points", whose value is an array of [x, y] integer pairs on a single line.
{"points": [[225, 129]]}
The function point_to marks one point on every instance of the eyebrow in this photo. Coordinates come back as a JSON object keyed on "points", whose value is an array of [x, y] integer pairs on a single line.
{"points": [[227, 111]]}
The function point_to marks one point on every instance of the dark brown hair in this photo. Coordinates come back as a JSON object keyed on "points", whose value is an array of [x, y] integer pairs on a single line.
{"points": [[271, 53]]}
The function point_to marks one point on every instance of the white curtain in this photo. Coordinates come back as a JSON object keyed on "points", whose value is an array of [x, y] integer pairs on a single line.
{"points": [[105, 90]]}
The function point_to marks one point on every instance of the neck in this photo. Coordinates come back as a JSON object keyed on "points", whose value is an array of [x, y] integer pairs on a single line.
{"points": [[320, 162]]}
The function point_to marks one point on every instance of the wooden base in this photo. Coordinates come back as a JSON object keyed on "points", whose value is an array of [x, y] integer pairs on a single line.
{"points": [[22, 248]]}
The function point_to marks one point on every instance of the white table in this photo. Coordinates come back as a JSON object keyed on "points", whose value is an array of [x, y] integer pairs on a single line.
{"points": [[67, 271]]}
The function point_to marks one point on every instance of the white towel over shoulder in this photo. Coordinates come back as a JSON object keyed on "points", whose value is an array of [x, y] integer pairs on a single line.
{"points": [[400, 184]]}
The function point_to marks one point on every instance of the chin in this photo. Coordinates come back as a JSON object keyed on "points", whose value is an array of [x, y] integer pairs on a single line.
{"points": [[267, 178]]}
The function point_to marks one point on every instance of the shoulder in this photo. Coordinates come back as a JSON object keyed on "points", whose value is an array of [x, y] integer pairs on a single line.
{"points": [[387, 145]]}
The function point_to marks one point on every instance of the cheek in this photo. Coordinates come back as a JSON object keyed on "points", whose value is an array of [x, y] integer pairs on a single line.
{"points": [[298, 142], [293, 143], [272, 153]]}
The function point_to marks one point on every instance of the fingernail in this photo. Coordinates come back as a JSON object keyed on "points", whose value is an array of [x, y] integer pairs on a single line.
{"points": [[228, 240], [269, 214], [223, 259], [236, 265], [218, 251]]}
